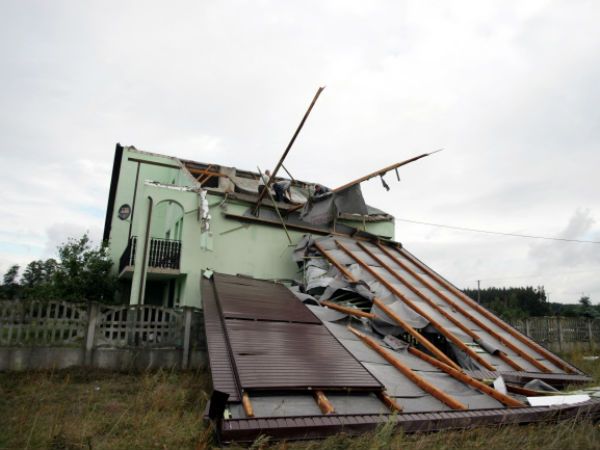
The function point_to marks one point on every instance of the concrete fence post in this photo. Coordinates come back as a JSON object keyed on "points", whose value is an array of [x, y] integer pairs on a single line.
{"points": [[93, 313], [559, 332], [528, 327], [187, 331], [590, 324]]}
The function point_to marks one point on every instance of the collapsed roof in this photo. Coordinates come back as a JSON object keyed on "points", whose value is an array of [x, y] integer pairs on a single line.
{"points": [[369, 334], [244, 184]]}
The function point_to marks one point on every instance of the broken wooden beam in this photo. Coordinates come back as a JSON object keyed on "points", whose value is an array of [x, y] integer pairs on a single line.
{"points": [[289, 146], [383, 171]]}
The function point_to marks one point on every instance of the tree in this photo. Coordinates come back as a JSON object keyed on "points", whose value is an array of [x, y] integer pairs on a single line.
{"points": [[10, 286], [83, 272], [585, 307], [37, 279], [585, 301], [515, 302]]}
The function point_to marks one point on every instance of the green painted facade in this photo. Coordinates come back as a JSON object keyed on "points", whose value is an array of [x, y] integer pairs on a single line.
{"points": [[166, 204]]}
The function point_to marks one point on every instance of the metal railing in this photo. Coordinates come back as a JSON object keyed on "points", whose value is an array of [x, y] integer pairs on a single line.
{"points": [[163, 253]]}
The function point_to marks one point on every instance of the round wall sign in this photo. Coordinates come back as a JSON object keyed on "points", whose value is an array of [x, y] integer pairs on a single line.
{"points": [[124, 212]]}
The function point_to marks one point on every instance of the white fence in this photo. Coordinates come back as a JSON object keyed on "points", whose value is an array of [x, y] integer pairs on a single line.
{"points": [[92, 329]]}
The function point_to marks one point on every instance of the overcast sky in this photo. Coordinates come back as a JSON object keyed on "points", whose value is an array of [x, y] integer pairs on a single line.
{"points": [[510, 90]]}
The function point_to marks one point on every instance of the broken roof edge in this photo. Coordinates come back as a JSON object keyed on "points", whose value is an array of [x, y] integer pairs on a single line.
{"points": [[374, 214], [318, 427]]}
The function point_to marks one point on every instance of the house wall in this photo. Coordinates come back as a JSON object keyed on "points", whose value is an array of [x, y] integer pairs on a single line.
{"points": [[119, 232], [229, 246]]}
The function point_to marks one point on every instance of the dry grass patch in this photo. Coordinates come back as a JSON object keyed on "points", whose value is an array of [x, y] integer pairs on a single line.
{"points": [[76, 409], [83, 409]]}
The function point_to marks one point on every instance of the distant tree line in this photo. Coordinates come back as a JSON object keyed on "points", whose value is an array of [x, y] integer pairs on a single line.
{"points": [[522, 302], [81, 272]]}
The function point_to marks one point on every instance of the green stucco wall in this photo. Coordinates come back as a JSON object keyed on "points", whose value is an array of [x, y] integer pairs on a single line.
{"points": [[230, 246]]}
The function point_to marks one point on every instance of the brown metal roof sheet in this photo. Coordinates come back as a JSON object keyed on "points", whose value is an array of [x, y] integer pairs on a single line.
{"points": [[246, 298], [276, 355], [285, 347], [218, 351]]}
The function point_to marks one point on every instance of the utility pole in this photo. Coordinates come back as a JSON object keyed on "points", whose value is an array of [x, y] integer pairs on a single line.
{"points": [[479, 292]]}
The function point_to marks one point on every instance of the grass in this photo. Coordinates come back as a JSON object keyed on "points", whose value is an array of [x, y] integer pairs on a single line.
{"points": [[82, 409], [78, 409]]}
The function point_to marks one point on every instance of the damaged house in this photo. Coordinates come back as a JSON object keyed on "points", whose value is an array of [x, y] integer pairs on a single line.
{"points": [[317, 319]]}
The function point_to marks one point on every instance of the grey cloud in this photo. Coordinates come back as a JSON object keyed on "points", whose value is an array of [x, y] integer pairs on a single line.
{"points": [[569, 255], [509, 89]]}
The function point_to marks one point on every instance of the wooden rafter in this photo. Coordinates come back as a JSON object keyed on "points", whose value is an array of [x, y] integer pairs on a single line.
{"points": [[408, 372], [350, 311], [206, 172], [438, 326], [388, 401], [431, 303], [405, 325], [323, 402], [463, 377], [247, 405], [488, 315], [469, 316]]}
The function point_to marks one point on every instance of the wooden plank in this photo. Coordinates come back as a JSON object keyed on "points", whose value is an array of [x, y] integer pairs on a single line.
{"points": [[408, 372], [488, 315], [405, 325], [288, 148], [396, 318], [418, 293], [464, 378], [438, 326], [383, 171], [247, 405], [469, 316], [389, 402], [350, 311], [323, 402]]}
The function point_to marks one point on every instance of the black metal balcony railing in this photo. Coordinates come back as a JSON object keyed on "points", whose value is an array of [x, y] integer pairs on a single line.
{"points": [[164, 253]]}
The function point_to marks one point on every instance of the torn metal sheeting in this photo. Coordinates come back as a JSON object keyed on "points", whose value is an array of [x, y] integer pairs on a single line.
{"points": [[434, 292]]}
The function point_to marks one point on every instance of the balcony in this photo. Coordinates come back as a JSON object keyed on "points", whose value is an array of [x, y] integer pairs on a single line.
{"points": [[163, 256]]}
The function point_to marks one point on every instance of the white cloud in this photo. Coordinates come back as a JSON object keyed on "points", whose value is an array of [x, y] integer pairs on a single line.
{"points": [[507, 88]]}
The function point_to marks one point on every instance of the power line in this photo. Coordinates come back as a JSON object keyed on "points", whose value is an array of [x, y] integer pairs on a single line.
{"points": [[540, 275], [474, 230]]}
